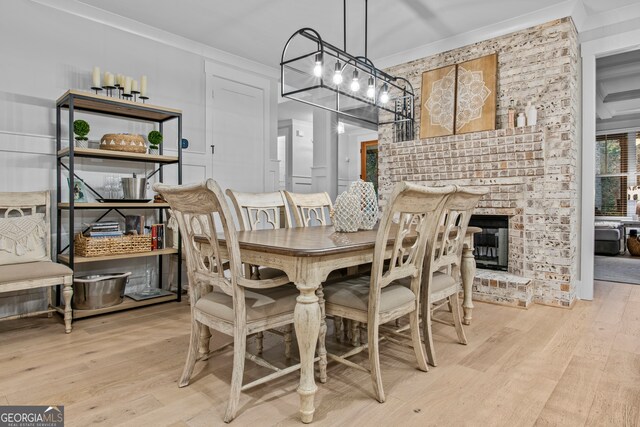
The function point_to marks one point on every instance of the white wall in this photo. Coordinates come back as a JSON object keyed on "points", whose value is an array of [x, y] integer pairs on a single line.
{"points": [[44, 52], [349, 158]]}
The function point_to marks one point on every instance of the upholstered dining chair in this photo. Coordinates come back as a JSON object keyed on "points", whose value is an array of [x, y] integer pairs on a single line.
{"points": [[259, 211], [379, 298], [224, 298], [442, 280], [310, 209]]}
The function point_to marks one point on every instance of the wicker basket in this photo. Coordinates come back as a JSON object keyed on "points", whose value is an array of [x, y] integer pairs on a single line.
{"points": [[102, 246], [633, 244], [130, 143]]}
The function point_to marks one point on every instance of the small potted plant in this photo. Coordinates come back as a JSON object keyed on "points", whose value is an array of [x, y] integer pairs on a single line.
{"points": [[155, 139], [81, 130]]}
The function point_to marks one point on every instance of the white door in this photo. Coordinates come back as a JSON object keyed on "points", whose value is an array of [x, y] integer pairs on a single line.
{"points": [[237, 134]]}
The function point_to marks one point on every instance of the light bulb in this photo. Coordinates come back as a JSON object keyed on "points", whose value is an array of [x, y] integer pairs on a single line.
{"points": [[355, 84], [371, 89], [340, 128], [317, 70], [384, 96], [337, 76]]}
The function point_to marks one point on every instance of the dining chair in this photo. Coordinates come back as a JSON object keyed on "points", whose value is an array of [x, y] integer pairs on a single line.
{"points": [[379, 298], [310, 209], [260, 211], [221, 296], [442, 280]]}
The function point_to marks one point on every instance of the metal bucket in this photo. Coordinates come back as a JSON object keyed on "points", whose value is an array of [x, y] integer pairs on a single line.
{"points": [[134, 188], [98, 290]]}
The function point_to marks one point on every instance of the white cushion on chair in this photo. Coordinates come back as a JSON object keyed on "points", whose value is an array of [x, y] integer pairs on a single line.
{"points": [[354, 293], [32, 271], [439, 282], [259, 303]]}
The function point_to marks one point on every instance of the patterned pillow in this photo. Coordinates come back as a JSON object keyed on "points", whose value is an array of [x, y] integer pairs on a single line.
{"points": [[23, 239]]}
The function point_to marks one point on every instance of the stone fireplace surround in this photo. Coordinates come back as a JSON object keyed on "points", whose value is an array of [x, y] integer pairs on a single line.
{"points": [[530, 172]]}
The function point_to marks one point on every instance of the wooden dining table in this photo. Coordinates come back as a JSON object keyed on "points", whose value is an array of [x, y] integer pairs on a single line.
{"points": [[307, 256]]}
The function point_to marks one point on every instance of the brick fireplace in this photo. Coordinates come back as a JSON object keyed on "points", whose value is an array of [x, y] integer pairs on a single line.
{"points": [[530, 172]]}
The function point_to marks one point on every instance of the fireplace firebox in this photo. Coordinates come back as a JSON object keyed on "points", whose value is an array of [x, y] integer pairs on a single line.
{"points": [[492, 244]]}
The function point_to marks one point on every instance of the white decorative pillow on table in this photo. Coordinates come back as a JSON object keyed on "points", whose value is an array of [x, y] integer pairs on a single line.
{"points": [[22, 239]]}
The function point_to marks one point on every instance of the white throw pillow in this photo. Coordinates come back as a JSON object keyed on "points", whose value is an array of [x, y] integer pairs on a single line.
{"points": [[23, 239]]}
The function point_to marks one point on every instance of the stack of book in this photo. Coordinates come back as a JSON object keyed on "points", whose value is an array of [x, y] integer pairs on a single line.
{"points": [[104, 229], [157, 237]]}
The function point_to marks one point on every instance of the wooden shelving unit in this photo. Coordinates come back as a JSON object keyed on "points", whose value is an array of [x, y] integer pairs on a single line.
{"points": [[81, 260], [74, 101], [119, 155], [98, 205], [127, 304]]}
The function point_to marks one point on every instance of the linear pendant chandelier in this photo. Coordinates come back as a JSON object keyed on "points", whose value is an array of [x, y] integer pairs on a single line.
{"points": [[320, 74]]}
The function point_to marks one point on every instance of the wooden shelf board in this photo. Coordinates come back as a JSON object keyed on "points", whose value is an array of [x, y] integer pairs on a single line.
{"points": [[125, 305], [81, 260], [98, 205], [86, 101], [119, 155]]}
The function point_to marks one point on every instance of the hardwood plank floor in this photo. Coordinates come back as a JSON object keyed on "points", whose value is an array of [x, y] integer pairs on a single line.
{"points": [[542, 366]]}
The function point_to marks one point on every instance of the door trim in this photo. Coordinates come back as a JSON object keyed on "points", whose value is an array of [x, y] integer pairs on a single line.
{"points": [[363, 156]]}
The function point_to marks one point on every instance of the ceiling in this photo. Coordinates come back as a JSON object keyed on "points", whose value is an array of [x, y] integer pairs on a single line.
{"points": [[618, 91], [258, 29]]}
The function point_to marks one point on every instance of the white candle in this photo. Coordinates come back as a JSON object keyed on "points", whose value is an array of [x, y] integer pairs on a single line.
{"points": [[120, 80], [127, 85], [134, 85], [96, 76], [108, 79], [143, 86]]}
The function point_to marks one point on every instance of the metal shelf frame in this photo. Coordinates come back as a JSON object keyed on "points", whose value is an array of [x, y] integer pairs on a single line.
{"points": [[73, 101]]}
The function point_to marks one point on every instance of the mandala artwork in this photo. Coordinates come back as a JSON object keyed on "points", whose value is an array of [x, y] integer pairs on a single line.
{"points": [[472, 95], [442, 101]]}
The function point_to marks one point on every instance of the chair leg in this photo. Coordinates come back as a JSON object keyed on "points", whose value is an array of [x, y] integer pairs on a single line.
{"points": [[414, 320], [288, 333], [322, 336], [259, 342], [338, 328], [428, 335], [192, 353], [67, 293], [355, 334], [374, 361], [240, 348], [457, 319]]}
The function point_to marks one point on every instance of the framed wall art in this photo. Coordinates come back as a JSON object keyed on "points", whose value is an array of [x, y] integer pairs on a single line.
{"points": [[476, 95], [437, 112]]}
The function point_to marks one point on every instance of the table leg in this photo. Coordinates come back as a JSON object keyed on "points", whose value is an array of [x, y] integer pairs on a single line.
{"points": [[306, 319], [468, 272]]}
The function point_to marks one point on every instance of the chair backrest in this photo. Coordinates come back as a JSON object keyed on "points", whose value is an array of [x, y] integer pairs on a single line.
{"points": [[310, 209], [22, 204], [260, 210], [196, 207], [418, 208], [454, 221]]}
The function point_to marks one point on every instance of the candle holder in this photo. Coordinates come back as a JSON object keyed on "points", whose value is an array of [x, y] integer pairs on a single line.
{"points": [[144, 98], [96, 88], [127, 96], [135, 94], [109, 90]]}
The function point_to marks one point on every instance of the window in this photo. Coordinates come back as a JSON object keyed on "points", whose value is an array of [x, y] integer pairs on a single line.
{"points": [[617, 174]]}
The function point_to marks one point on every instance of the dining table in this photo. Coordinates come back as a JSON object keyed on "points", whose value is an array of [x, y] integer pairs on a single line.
{"points": [[307, 255]]}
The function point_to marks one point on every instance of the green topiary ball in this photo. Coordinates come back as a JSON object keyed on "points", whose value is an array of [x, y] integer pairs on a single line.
{"points": [[154, 138], [81, 128]]}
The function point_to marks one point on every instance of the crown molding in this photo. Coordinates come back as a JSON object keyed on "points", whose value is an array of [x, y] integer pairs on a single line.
{"points": [[149, 32]]}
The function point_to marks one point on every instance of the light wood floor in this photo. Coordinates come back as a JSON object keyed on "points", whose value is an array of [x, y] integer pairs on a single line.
{"points": [[542, 366]]}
